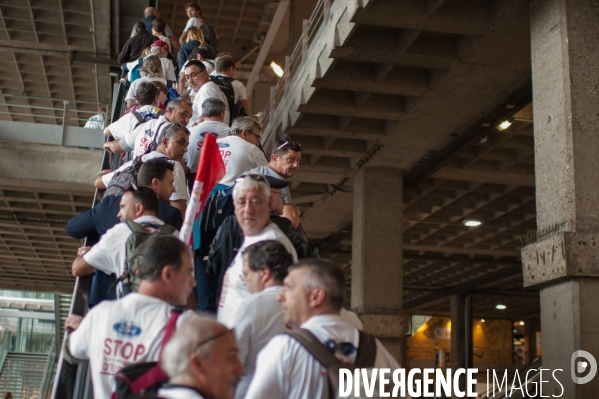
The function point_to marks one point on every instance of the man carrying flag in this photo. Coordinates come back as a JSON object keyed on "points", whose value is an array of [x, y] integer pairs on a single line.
{"points": [[211, 170]]}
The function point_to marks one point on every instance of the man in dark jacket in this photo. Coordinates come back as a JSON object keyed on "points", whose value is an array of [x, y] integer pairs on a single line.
{"points": [[229, 239], [156, 174], [135, 46]]}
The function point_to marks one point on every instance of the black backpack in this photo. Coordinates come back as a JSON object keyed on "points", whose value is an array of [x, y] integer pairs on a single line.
{"points": [[210, 36], [145, 118], [121, 181], [365, 358], [225, 85]]}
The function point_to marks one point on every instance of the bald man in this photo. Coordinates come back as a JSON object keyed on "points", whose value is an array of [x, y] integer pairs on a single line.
{"points": [[150, 14]]}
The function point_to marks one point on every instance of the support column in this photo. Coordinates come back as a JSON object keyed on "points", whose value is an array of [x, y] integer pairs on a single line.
{"points": [[377, 255], [563, 261], [461, 334]]}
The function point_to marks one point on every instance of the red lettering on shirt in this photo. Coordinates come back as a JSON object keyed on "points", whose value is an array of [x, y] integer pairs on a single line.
{"points": [[140, 350], [117, 343], [107, 343], [224, 154], [127, 350]]}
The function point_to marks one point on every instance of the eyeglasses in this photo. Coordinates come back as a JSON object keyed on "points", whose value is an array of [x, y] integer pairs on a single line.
{"points": [[192, 75], [217, 336], [259, 136], [289, 143]]}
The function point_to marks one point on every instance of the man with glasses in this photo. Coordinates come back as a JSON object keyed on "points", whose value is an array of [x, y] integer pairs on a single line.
{"points": [[201, 361], [251, 199], [284, 164], [197, 78]]}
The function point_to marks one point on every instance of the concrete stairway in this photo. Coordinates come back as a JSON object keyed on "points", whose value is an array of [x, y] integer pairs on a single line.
{"points": [[22, 374]]}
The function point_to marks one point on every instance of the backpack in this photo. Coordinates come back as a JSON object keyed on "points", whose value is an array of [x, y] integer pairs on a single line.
{"points": [[364, 359], [210, 36], [141, 238], [122, 180], [225, 85], [133, 74], [142, 380]]}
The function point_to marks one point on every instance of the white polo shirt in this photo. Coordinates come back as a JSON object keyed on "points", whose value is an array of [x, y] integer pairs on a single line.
{"points": [[178, 173], [208, 90], [127, 123], [260, 319], [196, 140], [239, 156], [135, 85], [115, 334], [234, 292], [109, 254], [285, 369]]}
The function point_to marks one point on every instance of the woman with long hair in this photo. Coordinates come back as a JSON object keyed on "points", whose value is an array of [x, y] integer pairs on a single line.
{"points": [[150, 71], [195, 38]]}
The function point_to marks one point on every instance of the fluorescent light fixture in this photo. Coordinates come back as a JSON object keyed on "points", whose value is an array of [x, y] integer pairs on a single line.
{"points": [[472, 222], [277, 69], [505, 124], [500, 306]]}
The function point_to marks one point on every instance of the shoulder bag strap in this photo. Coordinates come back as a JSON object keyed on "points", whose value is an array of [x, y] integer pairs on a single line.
{"points": [[366, 351], [314, 346]]}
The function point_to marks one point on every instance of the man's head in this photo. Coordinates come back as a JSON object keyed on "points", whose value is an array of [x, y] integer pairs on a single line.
{"points": [[196, 74], [202, 53], [250, 198], [178, 110], [193, 10], [312, 287], [147, 94], [247, 128], [225, 66], [102, 109], [137, 203], [265, 264], [167, 269], [160, 48], [140, 27], [159, 25], [286, 158], [151, 11], [174, 141], [202, 354], [209, 49], [157, 174], [213, 109]]}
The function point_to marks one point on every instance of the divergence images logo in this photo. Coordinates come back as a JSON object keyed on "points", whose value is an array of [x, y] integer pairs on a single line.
{"points": [[127, 329], [579, 366]]}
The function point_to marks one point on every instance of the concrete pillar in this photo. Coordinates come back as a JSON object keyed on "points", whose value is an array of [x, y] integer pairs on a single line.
{"points": [[461, 334], [563, 260], [377, 255]]}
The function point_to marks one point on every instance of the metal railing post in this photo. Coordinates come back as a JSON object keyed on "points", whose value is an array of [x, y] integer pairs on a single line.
{"points": [[64, 122]]}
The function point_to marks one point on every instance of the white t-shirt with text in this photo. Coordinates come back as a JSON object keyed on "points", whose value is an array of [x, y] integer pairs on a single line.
{"points": [[239, 156], [208, 90], [196, 140], [128, 122], [115, 334], [234, 292]]}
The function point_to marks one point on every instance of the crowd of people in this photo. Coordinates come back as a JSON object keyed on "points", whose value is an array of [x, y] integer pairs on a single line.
{"points": [[250, 281]]}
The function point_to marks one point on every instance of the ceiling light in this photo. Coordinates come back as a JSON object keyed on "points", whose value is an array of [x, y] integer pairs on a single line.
{"points": [[277, 69], [521, 323], [505, 124], [482, 320], [472, 222], [500, 306]]}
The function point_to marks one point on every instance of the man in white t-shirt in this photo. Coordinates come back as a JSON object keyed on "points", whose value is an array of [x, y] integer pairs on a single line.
{"points": [[194, 13], [250, 199], [312, 297], [260, 317], [225, 67], [201, 361], [172, 143], [109, 254], [213, 114], [284, 164], [148, 97], [178, 111], [115, 334], [240, 151], [197, 77]]}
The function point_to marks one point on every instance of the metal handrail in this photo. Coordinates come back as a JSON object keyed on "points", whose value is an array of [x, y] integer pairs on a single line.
{"points": [[4, 347], [299, 56], [48, 373], [79, 305]]}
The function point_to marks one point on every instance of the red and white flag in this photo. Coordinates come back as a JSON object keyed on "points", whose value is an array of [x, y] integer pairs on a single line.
{"points": [[211, 170]]}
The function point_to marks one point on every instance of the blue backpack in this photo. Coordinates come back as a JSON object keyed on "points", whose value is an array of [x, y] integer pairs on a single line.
{"points": [[134, 73]]}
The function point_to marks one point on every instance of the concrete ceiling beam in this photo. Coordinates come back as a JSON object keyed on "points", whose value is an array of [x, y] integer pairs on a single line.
{"points": [[384, 56], [362, 112], [512, 179], [369, 86], [464, 251], [340, 134]]}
